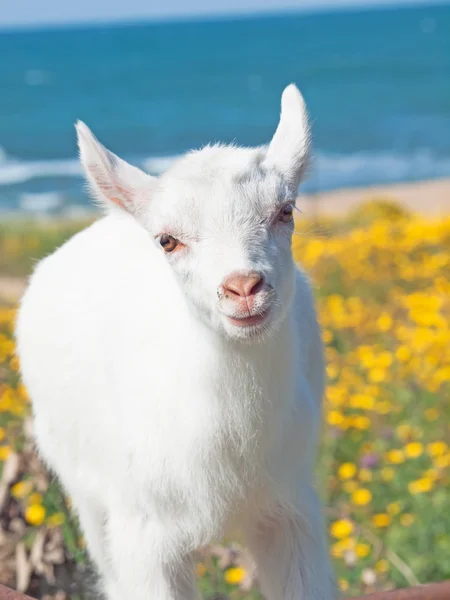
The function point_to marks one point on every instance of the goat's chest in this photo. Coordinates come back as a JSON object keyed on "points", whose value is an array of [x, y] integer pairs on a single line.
{"points": [[214, 430]]}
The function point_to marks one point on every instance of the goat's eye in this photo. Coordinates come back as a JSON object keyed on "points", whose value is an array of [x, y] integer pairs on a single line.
{"points": [[168, 242], [286, 214]]}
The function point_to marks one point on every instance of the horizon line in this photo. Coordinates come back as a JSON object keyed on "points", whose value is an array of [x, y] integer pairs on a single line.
{"points": [[216, 16]]}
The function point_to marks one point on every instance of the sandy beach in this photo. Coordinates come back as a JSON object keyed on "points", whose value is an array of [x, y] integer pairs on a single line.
{"points": [[427, 198]]}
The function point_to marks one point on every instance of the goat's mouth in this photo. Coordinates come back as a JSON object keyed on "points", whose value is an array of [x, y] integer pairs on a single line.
{"points": [[249, 321]]}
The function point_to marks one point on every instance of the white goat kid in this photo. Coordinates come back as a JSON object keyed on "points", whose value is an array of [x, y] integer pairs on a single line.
{"points": [[175, 364]]}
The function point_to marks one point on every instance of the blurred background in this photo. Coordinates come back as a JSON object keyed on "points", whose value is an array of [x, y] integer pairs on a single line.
{"points": [[154, 80], [376, 81]]}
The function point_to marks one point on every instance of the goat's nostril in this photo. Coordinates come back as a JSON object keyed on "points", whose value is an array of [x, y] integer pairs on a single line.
{"points": [[257, 285], [243, 285]]}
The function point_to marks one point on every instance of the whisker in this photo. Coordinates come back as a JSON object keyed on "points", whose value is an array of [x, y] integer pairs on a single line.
{"points": [[319, 230]]}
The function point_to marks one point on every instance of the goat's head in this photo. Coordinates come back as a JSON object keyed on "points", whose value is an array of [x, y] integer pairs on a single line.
{"points": [[223, 217]]}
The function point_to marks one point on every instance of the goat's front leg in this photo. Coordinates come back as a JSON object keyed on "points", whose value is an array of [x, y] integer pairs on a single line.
{"points": [[290, 552], [146, 561]]}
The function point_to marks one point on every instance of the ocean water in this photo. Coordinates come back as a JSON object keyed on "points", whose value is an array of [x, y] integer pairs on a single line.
{"points": [[377, 84]]}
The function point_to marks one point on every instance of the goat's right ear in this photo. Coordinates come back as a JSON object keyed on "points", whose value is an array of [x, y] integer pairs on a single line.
{"points": [[111, 179], [289, 148]]}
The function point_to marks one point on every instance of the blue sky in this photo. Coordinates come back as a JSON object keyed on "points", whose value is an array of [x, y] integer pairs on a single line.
{"points": [[35, 12]]}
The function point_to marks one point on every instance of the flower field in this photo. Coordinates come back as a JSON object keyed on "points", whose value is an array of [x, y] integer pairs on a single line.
{"points": [[382, 279]]}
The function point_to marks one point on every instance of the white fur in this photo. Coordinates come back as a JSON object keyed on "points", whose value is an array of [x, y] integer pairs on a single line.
{"points": [[168, 425]]}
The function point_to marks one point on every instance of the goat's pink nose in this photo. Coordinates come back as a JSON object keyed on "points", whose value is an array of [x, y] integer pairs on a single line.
{"points": [[243, 284]]}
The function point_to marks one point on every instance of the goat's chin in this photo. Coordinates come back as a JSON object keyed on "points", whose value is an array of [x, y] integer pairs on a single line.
{"points": [[247, 330]]}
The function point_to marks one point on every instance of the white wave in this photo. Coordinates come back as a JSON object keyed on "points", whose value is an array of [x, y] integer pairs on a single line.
{"points": [[328, 170], [40, 203], [77, 212], [364, 168], [336, 170], [156, 165], [17, 171]]}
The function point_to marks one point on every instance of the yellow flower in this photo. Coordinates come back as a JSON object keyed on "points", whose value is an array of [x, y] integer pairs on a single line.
{"points": [[393, 508], [338, 549], [403, 353], [21, 489], [6, 316], [395, 457], [332, 371], [384, 360], [367, 359], [362, 401], [347, 423], [347, 471], [6, 346], [22, 391], [413, 449], [442, 462], [335, 417], [14, 363], [200, 569], [35, 514], [327, 336], [407, 519], [56, 519], [425, 484], [433, 474], [431, 414], [35, 498], [384, 322], [361, 497], [6, 400], [437, 448], [362, 550], [341, 529], [2, 434], [235, 575], [349, 486], [5, 451], [404, 431], [361, 422], [377, 374], [343, 584], [17, 407], [383, 407], [382, 566], [381, 520], [387, 473], [365, 475]]}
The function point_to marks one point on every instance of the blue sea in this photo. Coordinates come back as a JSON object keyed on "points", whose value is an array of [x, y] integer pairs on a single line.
{"points": [[377, 84]]}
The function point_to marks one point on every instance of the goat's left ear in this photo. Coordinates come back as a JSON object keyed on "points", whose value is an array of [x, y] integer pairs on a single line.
{"points": [[111, 179], [288, 151]]}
